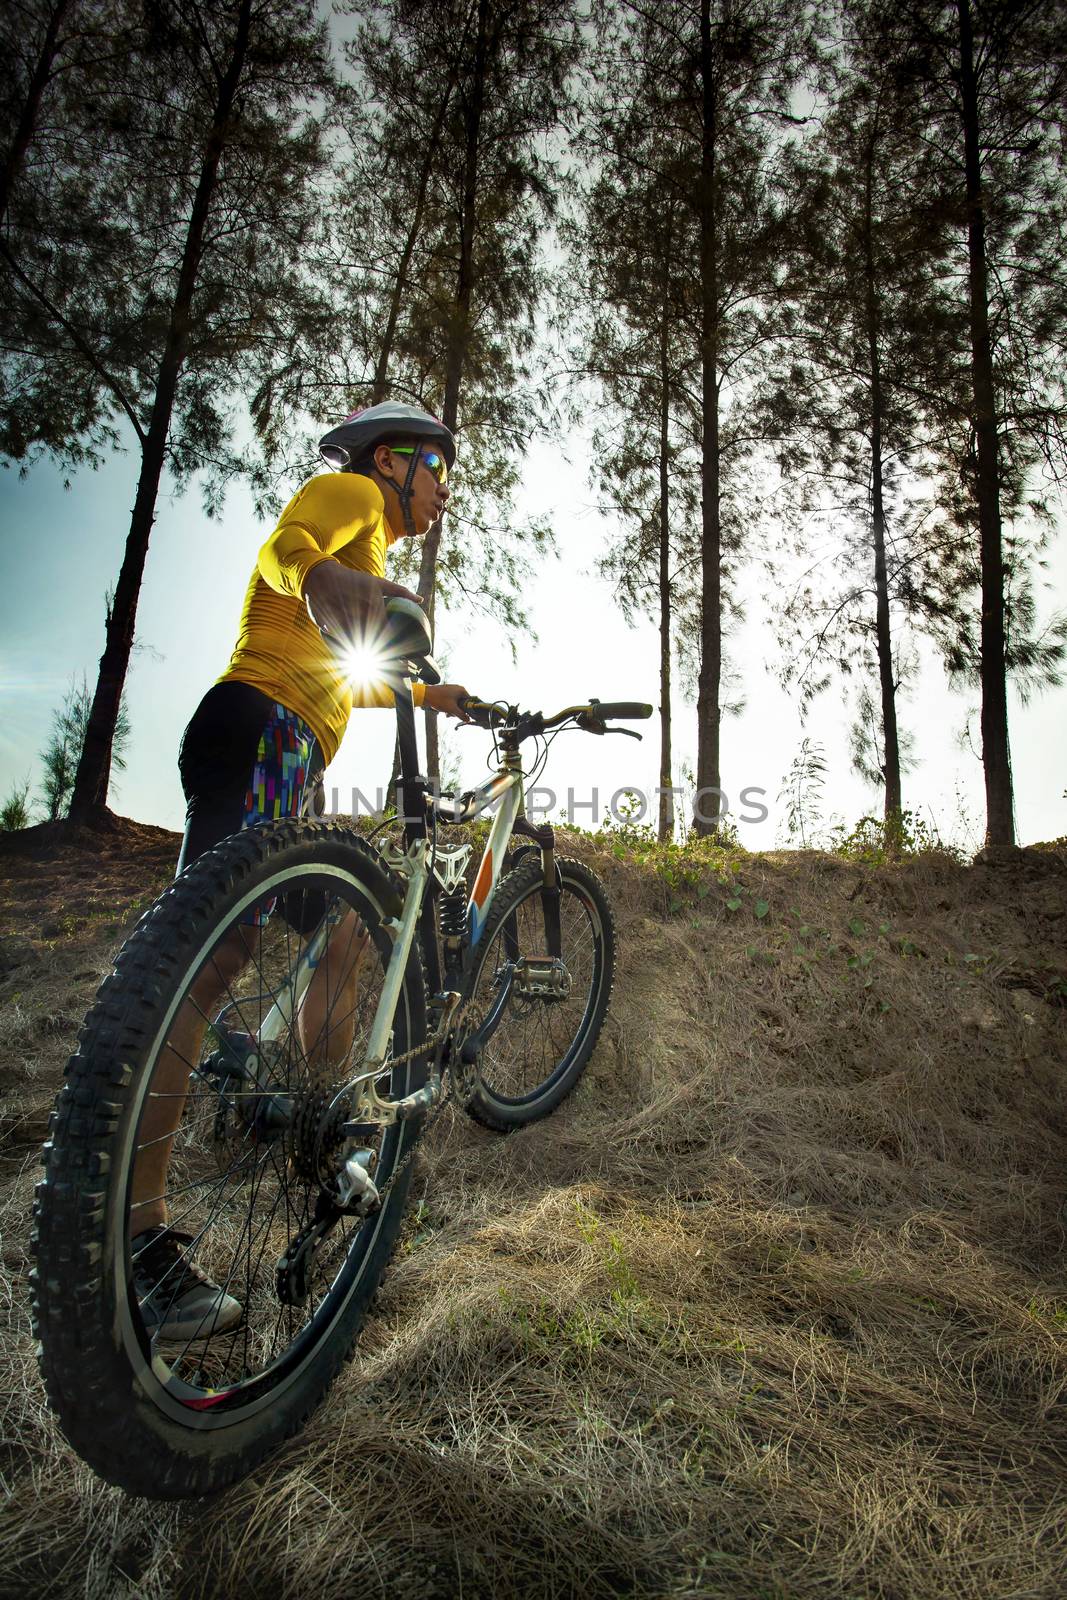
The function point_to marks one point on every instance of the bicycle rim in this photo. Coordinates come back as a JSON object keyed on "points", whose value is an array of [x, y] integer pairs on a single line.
{"points": [[537, 1040], [253, 1148]]}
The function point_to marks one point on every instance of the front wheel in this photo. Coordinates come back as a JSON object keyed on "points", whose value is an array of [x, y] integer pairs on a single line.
{"points": [[199, 1276], [540, 1017]]}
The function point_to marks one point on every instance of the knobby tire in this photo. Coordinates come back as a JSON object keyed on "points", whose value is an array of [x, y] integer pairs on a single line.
{"points": [[99, 1376]]}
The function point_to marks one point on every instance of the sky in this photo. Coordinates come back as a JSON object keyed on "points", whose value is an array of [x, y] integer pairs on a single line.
{"points": [[60, 549]]}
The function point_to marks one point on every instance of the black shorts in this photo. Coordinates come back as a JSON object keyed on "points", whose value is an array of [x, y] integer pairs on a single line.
{"points": [[243, 759]]}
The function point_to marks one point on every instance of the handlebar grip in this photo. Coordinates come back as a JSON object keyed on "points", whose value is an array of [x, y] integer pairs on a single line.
{"points": [[628, 710], [480, 713]]}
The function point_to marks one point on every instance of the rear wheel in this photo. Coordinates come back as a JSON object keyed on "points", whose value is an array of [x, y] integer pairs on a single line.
{"points": [[171, 1403], [540, 1019]]}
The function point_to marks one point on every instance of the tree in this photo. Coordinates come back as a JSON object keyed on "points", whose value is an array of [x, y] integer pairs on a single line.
{"points": [[61, 755], [627, 302], [34, 39], [717, 79], [848, 397], [180, 266], [463, 94], [988, 78], [62, 57]]}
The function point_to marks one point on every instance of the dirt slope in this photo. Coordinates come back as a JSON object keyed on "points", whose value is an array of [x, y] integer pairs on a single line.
{"points": [[776, 1306]]}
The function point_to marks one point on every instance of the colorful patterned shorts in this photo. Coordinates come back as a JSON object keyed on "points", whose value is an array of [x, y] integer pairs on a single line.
{"points": [[276, 790], [283, 760], [244, 759]]}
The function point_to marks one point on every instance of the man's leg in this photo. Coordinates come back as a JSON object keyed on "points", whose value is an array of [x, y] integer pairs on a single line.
{"points": [[217, 763], [170, 1080], [327, 1020]]}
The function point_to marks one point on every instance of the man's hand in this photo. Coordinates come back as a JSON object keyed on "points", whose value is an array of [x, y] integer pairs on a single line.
{"points": [[348, 605], [446, 697]]}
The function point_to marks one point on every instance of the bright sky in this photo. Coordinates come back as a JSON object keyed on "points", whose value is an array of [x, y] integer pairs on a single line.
{"points": [[60, 550]]}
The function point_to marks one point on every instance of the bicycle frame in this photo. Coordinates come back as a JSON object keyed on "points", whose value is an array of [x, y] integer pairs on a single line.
{"points": [[414, 865]]}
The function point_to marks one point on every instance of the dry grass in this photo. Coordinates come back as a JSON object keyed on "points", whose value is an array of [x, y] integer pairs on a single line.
{"points": [[774, 1307]]}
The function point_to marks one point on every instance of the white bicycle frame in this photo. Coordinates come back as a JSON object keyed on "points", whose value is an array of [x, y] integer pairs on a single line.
{"points": [[505, 786]]}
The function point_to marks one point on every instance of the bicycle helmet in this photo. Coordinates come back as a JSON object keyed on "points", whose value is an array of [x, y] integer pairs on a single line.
{"points": [[391, 422], [374, 425]]}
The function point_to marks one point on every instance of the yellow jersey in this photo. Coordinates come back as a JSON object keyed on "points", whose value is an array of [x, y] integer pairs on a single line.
{"points": [[336, 516]]}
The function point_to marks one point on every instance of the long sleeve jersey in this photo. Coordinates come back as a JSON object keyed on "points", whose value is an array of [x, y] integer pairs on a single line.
{"points": [[337, 516]]}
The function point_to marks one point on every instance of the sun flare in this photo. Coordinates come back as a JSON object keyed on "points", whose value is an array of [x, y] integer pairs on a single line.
{"points": [[363, 666]]}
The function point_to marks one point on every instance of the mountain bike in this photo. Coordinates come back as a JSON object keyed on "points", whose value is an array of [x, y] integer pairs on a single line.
{"points": [[359, 982]]}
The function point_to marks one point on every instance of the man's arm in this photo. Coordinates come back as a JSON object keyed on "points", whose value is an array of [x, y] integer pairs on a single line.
{"points": [[446, 697], [331, 511], [345, 604]]}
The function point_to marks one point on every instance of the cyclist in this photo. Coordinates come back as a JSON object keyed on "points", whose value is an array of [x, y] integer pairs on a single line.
{"points": [[260, 735]]}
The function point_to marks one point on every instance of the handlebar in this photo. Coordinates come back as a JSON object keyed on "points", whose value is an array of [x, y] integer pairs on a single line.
{"points": [[590, 718], [624, 710]]}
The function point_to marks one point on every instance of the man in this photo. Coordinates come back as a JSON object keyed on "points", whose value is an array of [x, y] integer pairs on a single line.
{"points": [[270, 725]]}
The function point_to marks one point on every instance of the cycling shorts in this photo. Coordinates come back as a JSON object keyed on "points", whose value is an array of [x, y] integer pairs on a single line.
{"points": [[243, 759]]}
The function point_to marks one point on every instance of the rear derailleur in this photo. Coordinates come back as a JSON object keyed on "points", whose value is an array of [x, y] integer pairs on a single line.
{"points": [[353, 1193]]}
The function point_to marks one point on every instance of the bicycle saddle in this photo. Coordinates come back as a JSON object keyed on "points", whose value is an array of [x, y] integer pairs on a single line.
{"points": [[409, 639]]}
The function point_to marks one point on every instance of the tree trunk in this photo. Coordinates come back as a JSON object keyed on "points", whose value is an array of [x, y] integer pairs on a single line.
{"points": [[887, 685], [94, 768], [459, 331], [707, 803], [27, 123], [996, 756], [380, 385], [666, 798], [391, 794]]}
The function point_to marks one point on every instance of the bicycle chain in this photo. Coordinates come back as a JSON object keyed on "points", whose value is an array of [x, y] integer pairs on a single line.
{"points": [[462, 1097]]}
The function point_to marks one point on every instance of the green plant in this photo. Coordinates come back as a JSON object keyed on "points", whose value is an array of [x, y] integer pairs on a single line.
{"points": [[802, 791], [625, 822], [624, 1280], [874, 841], [15, 811]]}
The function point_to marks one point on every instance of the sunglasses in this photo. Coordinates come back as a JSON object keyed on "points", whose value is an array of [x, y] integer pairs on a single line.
{"points": [[436, 463]]}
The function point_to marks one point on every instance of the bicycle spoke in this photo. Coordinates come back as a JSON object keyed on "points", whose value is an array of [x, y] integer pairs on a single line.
{"points": [[260, 1196]]}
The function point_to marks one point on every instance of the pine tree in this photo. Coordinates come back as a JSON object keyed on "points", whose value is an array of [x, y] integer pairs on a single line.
{"points": [[62, 58], [623, 296], [987, 80], [35, 41], [170, 266], [463, 94], [717, 79], [847, 400], [62, 753]]}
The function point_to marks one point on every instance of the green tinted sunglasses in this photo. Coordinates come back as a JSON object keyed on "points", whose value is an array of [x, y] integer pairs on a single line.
{"points": [[436, 463]]}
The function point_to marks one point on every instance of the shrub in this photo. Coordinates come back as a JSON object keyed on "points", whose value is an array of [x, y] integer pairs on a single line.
{"points": [[876, 840], [15, 811]]}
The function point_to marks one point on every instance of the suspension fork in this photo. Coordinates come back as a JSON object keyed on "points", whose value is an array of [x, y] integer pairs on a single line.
{"points": [[544, 839]]}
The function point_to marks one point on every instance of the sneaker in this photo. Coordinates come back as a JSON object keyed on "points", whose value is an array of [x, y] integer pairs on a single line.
{"points": [[176, 1301]]}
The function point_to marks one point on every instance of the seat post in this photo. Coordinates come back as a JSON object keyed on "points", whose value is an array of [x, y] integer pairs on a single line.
{"points": [[412, 787]]}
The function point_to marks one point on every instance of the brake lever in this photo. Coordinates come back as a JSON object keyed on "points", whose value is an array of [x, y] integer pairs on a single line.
{"points": [[630, 734]]}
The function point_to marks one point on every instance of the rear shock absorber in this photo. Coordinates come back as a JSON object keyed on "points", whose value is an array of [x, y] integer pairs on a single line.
{"points": [[453, 917]]}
